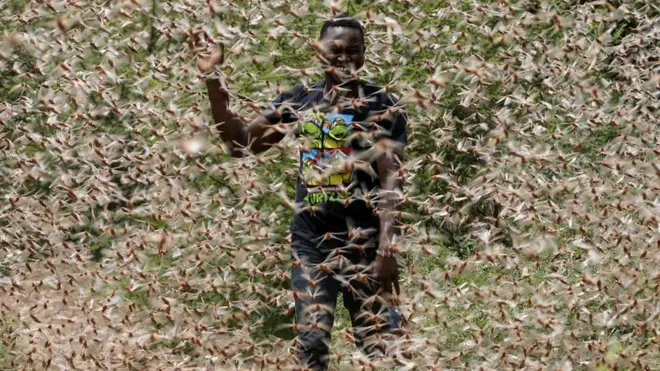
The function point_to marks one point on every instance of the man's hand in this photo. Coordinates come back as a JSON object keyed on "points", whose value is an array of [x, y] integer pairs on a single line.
{"points": [[200, 42], [387, 273], [386, 268]]}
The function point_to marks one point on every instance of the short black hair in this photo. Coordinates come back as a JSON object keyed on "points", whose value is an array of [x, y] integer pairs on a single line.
{"points": [[342, 20]]}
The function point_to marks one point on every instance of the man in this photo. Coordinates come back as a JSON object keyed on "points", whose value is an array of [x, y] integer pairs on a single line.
{"points": [[352, 136]]}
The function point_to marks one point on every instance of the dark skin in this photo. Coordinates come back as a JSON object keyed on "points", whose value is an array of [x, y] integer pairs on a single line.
{"points": [[341, 51]]}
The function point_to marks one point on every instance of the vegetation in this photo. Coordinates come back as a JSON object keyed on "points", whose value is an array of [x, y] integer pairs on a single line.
{"points": [[531, 201]]}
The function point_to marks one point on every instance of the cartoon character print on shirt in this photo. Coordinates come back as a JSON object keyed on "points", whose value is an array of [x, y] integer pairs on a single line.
{"points": [[327, 139]]}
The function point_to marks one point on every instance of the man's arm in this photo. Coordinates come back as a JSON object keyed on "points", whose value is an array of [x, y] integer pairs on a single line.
{"points": [[233, 131], [235, 134], [388, 165]]}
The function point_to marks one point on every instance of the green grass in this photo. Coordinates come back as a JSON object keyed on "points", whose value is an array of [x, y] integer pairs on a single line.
{"points": [[7, 327], [459, 317]]}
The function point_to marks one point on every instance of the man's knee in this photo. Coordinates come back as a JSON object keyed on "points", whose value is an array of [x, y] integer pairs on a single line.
{"points": [[317, 341], [373, 332], [313, 349]]}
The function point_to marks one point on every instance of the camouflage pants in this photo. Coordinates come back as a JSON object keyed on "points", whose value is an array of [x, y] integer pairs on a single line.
{"points": [[319, 274]]}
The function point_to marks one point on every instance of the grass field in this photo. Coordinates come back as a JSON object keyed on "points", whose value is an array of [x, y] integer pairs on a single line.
{"points": [[531, 202]]}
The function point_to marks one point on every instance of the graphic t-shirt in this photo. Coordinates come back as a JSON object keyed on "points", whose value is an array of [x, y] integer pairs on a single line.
{"points": [[336, 175]]}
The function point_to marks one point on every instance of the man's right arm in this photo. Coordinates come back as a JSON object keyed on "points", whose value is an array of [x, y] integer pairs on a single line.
{"points": [[238, 136]]}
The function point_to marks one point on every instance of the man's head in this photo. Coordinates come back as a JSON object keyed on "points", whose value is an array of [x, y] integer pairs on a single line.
{"points": [[343, 44]]}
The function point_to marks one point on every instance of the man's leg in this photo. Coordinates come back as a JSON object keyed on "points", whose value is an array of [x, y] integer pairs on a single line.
{"points": [[373, 318], [315, 295]]}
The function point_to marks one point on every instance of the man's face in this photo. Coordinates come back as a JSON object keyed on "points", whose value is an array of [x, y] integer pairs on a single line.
{"points": [[342, 49]]}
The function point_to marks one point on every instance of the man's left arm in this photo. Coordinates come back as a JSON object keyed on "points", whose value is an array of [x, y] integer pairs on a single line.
{"points": [[388, 164]]}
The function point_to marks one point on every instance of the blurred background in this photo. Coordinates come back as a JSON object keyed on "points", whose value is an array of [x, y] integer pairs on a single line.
{"points": [[130, 240]]}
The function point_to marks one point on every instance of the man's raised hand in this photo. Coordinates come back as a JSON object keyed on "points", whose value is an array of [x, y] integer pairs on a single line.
{"points": [[200, 42]]}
